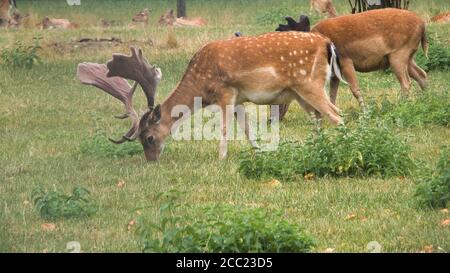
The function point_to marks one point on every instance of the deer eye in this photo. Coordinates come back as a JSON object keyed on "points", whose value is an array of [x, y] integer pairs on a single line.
{"points": [[150, 139]]}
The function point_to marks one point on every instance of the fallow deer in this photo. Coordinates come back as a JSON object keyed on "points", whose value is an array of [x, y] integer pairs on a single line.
{"points": [[142, 16], [323, 6], [441, 18], [376, 40], [52, 23], [266, 69], [169, 19]]}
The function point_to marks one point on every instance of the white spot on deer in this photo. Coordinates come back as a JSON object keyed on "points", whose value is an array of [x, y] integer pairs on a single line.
{"points": [[303, 72], [282, 58], [295, 52], [301, 62]]}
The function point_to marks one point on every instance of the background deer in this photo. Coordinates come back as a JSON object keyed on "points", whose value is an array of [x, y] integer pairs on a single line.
{"points": [[52, 23], [323, 6], [441, 18], [376, 40], [169, 19], [142, 16], [5, 6], [267, 69]]}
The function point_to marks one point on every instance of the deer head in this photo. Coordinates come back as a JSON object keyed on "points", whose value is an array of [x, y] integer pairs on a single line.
{"points": [[302, 25], [111, 78]]}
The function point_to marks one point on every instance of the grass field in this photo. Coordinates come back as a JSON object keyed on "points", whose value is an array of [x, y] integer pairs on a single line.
{"points": [[46, 115]]}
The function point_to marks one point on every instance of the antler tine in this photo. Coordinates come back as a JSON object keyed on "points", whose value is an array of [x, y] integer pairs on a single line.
{"points": [[95, 75], [137, 68]]}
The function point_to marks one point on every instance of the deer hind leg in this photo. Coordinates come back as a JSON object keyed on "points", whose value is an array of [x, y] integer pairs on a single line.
{"points": [[417, 74], [316, 99], [399, 62], [349, 73], [243, 120], [334, 86]]}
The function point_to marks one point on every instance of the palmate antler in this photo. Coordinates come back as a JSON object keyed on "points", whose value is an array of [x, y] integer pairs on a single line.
{"points": [[111, 79]]}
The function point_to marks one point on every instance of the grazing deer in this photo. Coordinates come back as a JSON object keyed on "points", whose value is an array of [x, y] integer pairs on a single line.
{"points": [[323, 6], [142, 16], [376, 40], [52, 23], [266, 69], [441, 18], [169, 19]]}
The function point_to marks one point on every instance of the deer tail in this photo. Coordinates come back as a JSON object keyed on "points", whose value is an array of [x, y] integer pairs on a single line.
{"points": [[333, 60]]}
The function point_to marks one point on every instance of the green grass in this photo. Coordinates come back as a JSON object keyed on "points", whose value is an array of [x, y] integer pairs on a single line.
{"points": [[46, 118]]}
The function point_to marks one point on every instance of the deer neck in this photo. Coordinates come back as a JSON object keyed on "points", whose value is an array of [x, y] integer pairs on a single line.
{"points": [[184, 97]]}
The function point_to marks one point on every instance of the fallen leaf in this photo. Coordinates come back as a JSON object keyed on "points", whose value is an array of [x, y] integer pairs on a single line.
{"points": [[121, 183], [273, 183], [428, 249], [444, 210], [309, 176], [350, 216], [26, 203], [138, 212], [131, 224], [329, 250], [364, 219], [445, 223], [48, 227]]}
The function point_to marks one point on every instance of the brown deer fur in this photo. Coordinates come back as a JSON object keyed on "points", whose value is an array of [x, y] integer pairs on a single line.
{"points": [[52, 23], [375, 40], [324, 6], [267, 69], [441, 18], [5, 18]]}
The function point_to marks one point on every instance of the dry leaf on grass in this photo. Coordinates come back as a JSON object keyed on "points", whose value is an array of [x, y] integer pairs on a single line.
{"points": [[329, 250], [444, 210], [121, 183], [273, 183], [131, 224], [445, 223], [48, 227], [350, 216], [427, 249], [309, 176]]}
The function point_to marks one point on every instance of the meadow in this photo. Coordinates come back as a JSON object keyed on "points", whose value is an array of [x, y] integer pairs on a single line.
{"points": [[49, 124]]}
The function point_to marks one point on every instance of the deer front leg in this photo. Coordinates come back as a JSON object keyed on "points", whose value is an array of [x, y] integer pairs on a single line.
{"points": [[226, 103], [349, 73]]}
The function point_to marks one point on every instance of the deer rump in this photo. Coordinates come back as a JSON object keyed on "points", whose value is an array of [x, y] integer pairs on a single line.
{"points": [[371, 41]]}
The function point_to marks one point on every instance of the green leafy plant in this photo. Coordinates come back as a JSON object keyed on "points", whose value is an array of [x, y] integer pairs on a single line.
{"points": [[421, 109], [438, 55], [434, 187], [21, 55], [223, 229], [55, 205], [370, 149]]}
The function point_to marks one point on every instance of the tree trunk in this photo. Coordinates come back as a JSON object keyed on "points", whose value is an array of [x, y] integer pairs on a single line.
{"points": [[181, 8]]}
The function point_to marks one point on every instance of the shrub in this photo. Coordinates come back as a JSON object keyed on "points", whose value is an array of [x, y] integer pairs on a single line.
{"points": [[55, 205], [224, 229], [425, 108], [99, 145], [370, 149], [21, 56], [434, 189], [438, 55]]}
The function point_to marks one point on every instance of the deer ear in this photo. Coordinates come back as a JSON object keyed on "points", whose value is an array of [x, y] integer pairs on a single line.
{"points": [[156, 117]]}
